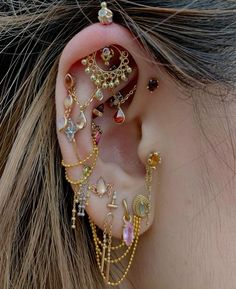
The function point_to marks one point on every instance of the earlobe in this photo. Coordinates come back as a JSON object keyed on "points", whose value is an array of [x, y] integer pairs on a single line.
{"points": [[100, 130]]}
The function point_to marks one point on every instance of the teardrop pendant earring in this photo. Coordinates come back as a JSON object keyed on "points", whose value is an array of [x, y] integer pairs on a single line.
{"points": [[116, 101]]}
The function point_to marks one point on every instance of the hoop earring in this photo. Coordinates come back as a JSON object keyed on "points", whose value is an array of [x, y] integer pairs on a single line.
{"points": [[107, 79]]}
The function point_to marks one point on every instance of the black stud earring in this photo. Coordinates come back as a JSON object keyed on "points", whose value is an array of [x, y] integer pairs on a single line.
{"points": [[153, 84]]}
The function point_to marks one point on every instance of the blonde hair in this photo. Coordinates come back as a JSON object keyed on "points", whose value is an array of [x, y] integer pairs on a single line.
{"points": [[196, 44]]}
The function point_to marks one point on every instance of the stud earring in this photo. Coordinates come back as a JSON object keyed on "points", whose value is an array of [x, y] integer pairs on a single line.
{"points": [[104, 14], [107, 79], [116, 101], [153, 84]]}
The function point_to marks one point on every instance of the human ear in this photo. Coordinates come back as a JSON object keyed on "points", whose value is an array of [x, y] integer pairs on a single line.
{"points": [[121, 157]]}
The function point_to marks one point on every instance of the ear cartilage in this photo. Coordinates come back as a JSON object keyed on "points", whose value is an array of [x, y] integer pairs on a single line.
{"points": [[153, 84], [105, 15]]}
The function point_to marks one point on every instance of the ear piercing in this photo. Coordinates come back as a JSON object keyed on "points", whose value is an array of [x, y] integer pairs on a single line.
{"points": [[153, 84], [107, 79], [128, 228], [107, 54], [117, 100], [141, 203], [104, 14]]}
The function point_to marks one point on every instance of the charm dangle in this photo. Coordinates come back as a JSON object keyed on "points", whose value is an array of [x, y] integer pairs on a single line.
{"points": [[119, 116], [128, 228], [104, 14], [70, 130], [81, 120], [113, 204], [96, 133], [141, 206]]}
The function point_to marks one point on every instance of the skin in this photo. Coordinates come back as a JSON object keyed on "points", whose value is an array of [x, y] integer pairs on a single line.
{"points": [[190, 242]]}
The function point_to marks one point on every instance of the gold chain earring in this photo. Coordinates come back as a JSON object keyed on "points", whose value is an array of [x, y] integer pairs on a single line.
{"points": [[116, 101], [142, 203]]}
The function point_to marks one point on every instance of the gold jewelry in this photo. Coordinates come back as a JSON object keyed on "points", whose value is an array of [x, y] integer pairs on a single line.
{"points": [[107, 54], [101, 188], [104, 249], [141, 203], [113, 204], [104, 14], [96, 132], [128, 228], [98, 111], [107, 79], [117, 100]]}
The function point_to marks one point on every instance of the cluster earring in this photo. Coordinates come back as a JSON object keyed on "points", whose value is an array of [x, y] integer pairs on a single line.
{"points": [[107, 79]]}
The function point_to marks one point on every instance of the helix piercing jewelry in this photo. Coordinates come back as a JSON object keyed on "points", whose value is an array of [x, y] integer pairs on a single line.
{"points": [[107, 79], [104, 14], [117, 100], [153, 84], [66, 124]]}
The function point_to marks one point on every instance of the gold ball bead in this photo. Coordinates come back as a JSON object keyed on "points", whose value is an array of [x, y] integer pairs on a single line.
{"points": [[105, 85], [87, 70], [123, 77], [129, 69], [84, 61], [111, 84], [104, 5], [117, 82], [98, 82], [93, 77]]}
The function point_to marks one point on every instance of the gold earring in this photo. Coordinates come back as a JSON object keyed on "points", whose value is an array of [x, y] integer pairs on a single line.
{"points": [[101, 188], [117, 100], [128, 228], [107, 79], [142, 203], [104, 14], [107, 54]]}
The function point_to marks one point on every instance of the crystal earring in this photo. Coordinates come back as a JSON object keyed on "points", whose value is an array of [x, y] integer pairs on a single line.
{"points": [[116, 101], [104, 14]]}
